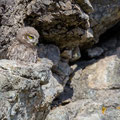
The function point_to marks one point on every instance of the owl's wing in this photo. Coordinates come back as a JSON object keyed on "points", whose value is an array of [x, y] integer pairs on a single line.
{"points": [[22, 52], [4, 52], [14, 51]]}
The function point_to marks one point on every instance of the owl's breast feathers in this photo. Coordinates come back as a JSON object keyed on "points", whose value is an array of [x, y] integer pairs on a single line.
{"points": [[22, 52]]}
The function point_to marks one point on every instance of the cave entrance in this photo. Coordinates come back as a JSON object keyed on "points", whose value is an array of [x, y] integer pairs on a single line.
{"points": [[110, 33], [109, 41]]}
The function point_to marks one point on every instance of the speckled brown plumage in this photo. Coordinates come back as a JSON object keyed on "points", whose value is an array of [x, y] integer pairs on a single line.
{"points": [[24, 47]]}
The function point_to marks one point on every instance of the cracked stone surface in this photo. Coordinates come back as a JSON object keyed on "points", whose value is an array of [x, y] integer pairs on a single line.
{"points": [[52, 89]]}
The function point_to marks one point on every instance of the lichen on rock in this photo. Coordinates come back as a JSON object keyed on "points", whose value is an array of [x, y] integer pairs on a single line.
{"points": [[78, 71]]}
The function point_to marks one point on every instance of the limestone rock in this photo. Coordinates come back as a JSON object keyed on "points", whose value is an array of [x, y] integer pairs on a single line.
{"points": [[86, 5], [88, 109], [70, 111], [101, 75], [27, 90], [90, 117], [20, 89], [105, 16], [106, 73]]}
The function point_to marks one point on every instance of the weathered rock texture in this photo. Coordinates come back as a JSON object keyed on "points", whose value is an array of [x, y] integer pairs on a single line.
{"points": [[21, 90], [27, 90], [96, 92], [67, 23], [106, 15], [91, 92]]}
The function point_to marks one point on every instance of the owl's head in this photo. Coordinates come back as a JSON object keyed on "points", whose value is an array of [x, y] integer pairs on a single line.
{"points": [[28, 36]]}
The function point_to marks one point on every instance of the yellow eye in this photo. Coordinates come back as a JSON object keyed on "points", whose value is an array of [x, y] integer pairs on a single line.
{"points": [[30, 37]]}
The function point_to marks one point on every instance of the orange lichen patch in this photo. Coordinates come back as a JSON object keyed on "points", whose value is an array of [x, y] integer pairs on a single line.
{"points": [[118, 107], [38, 59], [103, 110]]}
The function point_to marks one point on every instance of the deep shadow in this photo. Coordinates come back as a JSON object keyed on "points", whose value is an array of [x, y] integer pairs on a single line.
{"points": [[110, 33], [64, 97]]}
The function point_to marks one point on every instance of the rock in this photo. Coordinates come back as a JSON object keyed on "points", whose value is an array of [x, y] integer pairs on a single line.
{"points": [[51, 52], [95, 52], [88, 109], [106, 73], [22, 13], [56, 87], [57, 114], [100, 75], [27, 90], [57, 81], [35, 71], [86, 5], [51, 90], [66, 54], [70, 111], [20, 89], [65, 6], [118, 52], [71, 55], [90, 117], [105, 16], [63, 70], [75, 54]]}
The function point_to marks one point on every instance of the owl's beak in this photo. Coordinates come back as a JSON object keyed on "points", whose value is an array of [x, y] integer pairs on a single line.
{"points": [[35, 43]]}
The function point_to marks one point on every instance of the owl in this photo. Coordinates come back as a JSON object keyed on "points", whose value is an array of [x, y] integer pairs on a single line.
{"points": [[24, 46]]}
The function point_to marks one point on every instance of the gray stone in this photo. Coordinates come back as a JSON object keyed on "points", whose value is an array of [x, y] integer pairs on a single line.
{"points": [[75, 54], [20, 89], [86, 5], [88, 109], [27, 90], [95, 52], [51, 52], [71, 54], [63, 70], [90, 117]]}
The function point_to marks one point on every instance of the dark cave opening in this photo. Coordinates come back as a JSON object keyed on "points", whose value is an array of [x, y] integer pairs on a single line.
{"points": [[108, 41], [113, 31]]}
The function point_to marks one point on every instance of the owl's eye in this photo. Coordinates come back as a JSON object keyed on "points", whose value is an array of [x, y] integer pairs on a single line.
{"points": [[30, 37]]}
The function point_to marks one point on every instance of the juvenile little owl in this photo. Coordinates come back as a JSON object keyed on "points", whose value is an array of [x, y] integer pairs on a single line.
{"points": [[24, 47]]}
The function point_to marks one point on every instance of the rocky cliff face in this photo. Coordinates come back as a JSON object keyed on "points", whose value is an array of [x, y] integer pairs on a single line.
{"points": [[77, 77]]}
